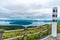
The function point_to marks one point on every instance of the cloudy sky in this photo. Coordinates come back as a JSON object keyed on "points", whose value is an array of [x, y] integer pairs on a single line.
{"points": [[28, 9]]}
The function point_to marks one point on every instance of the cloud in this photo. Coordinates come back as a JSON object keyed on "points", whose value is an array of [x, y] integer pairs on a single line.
{"points": [[27, 9]]}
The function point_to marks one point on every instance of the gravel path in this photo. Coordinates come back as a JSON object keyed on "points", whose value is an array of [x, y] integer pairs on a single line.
{"points": [[51, 38]]}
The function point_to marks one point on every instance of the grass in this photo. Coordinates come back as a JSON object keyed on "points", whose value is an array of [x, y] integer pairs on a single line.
{"points": [[19, 33], [30, 31], [12, 34]]}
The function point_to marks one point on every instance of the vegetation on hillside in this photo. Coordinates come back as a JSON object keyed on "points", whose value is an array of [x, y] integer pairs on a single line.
{"points": [[30, 31]]}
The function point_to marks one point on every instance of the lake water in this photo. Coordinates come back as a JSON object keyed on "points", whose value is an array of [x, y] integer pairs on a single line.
{"points": [[25, 22]]}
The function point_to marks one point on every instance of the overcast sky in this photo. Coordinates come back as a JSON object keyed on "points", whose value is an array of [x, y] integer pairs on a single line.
{"points": [[28, 9]]}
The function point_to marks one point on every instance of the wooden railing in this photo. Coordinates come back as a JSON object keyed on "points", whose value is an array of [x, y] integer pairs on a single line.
{"points": [[25, 33]]}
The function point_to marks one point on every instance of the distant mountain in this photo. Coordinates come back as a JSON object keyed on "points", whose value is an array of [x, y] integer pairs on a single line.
{"points": [[25, 22], [22, 22]]}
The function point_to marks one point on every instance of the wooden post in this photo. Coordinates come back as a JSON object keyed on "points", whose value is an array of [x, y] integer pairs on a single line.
{"points": [[47, 29], [57, 28], [1, 34], [25, 33], [40, 31]]}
